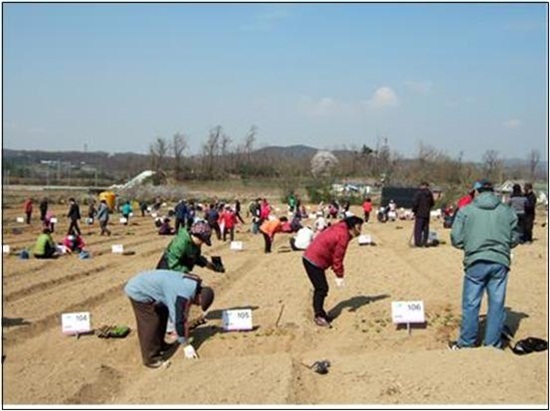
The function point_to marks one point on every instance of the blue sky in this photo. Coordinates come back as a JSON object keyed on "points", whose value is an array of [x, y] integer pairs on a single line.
{"points": [[458, 77]]}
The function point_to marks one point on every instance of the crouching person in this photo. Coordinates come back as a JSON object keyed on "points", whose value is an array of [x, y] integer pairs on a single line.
{"points": [[45, 246], [157, 296]]}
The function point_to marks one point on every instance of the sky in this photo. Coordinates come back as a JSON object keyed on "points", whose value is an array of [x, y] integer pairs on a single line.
{"points": [[462, 78]]}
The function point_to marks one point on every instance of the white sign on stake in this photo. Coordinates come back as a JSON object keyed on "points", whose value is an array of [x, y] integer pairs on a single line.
{"points": [[236, 245], [20, 219], [53, 220], [365, 239], [117, 248], [237, 320], [5, 248], [407, 312], [75, 323]]}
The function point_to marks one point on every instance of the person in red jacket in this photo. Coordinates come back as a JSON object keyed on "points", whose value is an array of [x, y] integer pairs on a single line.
{"points": [[367, 208], [27, 206], [228, 219], [328, 249], [268, 230]]}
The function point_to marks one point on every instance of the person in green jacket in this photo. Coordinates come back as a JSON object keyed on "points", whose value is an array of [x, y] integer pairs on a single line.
{"points": [[184, 251], [126, 210], [45, 246], [485, 230], [292, 203]]}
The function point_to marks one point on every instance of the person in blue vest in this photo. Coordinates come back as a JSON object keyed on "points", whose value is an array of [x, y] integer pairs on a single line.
{"points": [[161, 295]]}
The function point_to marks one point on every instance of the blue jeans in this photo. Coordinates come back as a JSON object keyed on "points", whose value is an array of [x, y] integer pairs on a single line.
{"points": [[481, 276]]}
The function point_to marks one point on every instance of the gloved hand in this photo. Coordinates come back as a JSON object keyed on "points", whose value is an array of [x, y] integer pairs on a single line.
{"points": [[190, 352], [339, 282]]}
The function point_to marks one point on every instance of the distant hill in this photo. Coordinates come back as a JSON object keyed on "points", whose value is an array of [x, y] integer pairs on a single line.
{"points": [[296, 151]]}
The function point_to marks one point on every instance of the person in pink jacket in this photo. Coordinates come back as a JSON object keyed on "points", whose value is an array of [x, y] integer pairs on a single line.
{"points": [[265, 210], [328, 249]]}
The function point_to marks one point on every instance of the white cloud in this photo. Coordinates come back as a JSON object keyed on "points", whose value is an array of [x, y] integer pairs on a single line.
{"points": [[512, 123], [420, 87], [322, 107], [266, 21], [383, 97]]}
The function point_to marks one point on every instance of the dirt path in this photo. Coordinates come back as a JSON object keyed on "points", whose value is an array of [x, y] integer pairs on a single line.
{"points": [[373, 361]]}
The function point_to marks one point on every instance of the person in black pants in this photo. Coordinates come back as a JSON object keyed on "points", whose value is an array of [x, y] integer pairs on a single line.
{"points": [[181, 214], [74, 216], [423, 201], [529, 219], [43, 208], [238, 211]]}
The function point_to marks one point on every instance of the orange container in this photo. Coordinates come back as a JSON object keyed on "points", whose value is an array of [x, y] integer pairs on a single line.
{"points": [[109, 198]]}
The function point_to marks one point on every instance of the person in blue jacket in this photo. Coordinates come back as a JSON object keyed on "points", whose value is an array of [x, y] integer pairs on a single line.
{"points": [[159, 295]]}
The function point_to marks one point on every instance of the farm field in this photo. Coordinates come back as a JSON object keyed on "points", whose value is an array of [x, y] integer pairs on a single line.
{"points": [[373, 362]]}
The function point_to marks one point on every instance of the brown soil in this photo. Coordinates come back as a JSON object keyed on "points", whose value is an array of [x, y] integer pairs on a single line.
{"points": [[372, 360]]}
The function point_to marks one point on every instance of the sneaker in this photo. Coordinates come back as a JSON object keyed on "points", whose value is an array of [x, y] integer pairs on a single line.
{"points": [[321, 322], [453, 346], [156, 363], [170, 337]]}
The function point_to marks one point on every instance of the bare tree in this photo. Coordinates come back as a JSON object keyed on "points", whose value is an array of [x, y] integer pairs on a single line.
{"points": [[211, 151], [533, 157], [158, 152], [249, 142], [493, 165], [178, 147]]}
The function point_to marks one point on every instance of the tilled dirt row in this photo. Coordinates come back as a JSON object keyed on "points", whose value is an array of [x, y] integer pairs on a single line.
{"points": [[372, 360]]}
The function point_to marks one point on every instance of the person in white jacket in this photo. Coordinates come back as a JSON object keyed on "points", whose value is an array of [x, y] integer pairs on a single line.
{"points": [[303, 239]]}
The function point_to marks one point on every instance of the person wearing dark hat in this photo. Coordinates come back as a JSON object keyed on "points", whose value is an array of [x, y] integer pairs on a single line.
{"points": [[423, 201], [328, 249], [161, 295], [184, 251], [485, 230]]}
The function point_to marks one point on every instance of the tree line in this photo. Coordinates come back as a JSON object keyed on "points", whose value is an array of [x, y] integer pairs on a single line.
{"points": [[223, 157]]}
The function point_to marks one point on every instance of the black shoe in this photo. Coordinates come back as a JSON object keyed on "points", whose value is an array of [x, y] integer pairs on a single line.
{"points": [[168, 350], [156, 363], [453, 346]]}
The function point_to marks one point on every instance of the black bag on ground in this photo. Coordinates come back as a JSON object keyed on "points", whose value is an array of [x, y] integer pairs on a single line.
{"points": [[529, 345]]}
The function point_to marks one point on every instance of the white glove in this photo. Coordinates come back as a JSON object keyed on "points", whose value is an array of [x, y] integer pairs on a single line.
{"points": [[190, 352], [339, 282]]}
